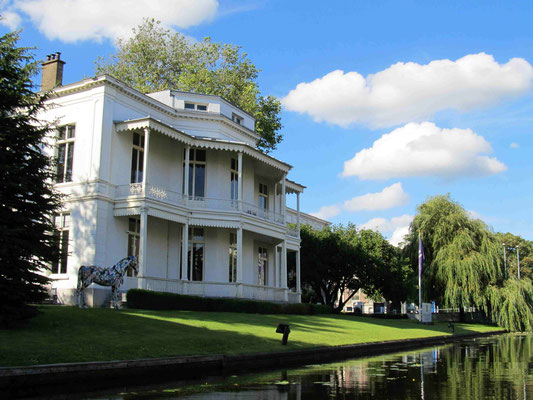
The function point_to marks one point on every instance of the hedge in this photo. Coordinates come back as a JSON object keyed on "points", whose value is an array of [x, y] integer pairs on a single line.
{"points": [[150, 300]]}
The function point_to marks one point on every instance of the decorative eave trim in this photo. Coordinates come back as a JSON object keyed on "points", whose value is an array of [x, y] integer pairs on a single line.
{"points": [[215, 144], [102, 80], [213, 223], [127, 212], [167, 215], [293, 187]]}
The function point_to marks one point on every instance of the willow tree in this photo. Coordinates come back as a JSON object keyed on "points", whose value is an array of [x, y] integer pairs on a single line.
{"points": [[462, 256], [155, 59]]}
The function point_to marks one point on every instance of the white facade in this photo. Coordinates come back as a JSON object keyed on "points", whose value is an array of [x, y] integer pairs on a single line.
{"points": [[224, 234]]}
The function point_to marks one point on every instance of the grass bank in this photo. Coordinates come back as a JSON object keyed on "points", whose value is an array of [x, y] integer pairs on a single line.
{"points": [[68, 334]]}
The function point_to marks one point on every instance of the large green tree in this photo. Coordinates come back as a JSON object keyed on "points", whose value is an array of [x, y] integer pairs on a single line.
{"points": [[345, 258], [155, 59], [27, 243], [463, 265], [461, 255]]}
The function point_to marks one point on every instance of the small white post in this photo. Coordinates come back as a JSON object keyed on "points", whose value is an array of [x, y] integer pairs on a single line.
{"points": [[298, 213], [298, 278], [283, 197], [186, 173], [239, 177]]}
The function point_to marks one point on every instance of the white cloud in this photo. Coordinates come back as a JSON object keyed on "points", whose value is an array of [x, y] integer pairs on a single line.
{"points": [[10, 19], [327, 212], [423, 149], [397, 227], [391, 196], [74, 20], [407, 92], [514, 145]]}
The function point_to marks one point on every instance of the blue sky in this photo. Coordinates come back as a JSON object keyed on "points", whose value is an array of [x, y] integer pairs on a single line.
{"points": [[421, 97]]}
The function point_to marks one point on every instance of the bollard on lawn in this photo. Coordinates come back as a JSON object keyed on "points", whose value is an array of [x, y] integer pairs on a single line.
{"points": [[284, 328]]}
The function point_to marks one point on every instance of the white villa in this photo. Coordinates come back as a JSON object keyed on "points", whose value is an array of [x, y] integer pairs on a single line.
{"points": [[176, 179]]}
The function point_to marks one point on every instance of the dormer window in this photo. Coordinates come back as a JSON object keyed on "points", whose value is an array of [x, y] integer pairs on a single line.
{"points": [[236, 118], [195, 106]]}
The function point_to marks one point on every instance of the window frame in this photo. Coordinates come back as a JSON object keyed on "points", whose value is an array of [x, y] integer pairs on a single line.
{"points": [[134, 234], [234, 179], [69, 144], [195, 106], [190, 253], [237, 119], [139, 167], [262, 265], [232, 261], [62, 263], [262, 195], [193, 162]]}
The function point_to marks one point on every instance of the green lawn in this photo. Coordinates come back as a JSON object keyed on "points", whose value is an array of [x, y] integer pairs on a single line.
{"points": [[68, 334]]}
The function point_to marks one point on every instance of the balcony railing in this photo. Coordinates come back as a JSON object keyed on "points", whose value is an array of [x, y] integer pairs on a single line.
{"points": [[203, 203]]}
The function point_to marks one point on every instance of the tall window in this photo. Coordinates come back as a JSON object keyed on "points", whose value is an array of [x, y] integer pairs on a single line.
{"points": [[263, 196], [262, 266], [196, 173], [234, 179], [134, 237], [62, 223], [65, 153], [137, 158], [233, 257], [195, 255]]}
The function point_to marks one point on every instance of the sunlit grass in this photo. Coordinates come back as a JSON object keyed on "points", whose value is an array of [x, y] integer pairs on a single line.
{"points": [[67, 334]]}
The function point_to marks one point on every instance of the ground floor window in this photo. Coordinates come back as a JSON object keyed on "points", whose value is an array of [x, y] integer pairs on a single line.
{"points": [[232, 257], [62, 223], [262, 266], [195, 255], [134, 237]]}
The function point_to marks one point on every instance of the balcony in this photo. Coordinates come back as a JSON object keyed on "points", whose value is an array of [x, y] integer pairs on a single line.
{"points": [[163, 195]]}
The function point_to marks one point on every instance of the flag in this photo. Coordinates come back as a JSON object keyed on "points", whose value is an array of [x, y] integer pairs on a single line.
{"points": [[420, 255]]}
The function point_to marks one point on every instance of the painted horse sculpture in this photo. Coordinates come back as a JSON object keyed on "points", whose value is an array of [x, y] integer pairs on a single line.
{"points": [[112, 276]]}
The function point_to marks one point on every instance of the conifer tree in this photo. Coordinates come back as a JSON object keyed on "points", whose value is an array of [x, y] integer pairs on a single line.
{"points": [[27, 200]]}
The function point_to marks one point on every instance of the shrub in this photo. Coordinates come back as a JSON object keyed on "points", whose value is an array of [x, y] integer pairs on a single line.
{"points": [[150, 300]]}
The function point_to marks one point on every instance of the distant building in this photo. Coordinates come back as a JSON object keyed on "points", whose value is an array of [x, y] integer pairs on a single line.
{"points": [[176, 179]]}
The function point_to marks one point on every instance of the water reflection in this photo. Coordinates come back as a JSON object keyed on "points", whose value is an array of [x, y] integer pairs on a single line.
{"points": [[490, 368]]}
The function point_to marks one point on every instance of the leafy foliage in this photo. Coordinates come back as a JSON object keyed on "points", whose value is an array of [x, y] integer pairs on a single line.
{"points": [[463, 265], [155, 59], [461, 254], [511, 304], [343, 259], [27, 200], [526, 254]]}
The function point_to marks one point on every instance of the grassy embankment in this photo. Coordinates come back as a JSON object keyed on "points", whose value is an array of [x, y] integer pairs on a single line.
{"points": [[67, 334]]}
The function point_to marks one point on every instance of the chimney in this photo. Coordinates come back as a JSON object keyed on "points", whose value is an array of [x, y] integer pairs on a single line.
{"points": [[52, 75]]}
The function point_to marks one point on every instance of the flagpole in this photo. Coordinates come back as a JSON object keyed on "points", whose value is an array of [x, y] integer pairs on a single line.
{"points": [[420, 257]]}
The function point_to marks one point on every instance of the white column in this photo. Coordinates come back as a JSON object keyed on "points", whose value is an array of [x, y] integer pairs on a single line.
{"points": [[239, 177], [143, 246], [184, 251], [186, 173], [275, 197], [239, 255], [284, 265], [146, 159], [283, 197], [275, 266], [298, 278], [298, 213]]}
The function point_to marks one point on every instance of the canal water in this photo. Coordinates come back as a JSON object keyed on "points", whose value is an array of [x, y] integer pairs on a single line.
{"points": [[498, 367]]}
